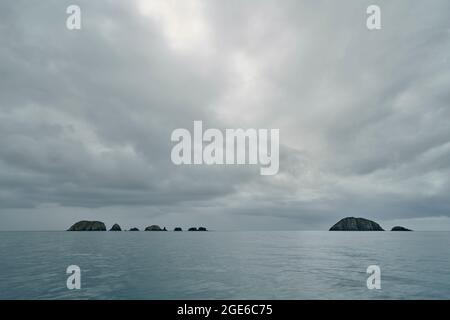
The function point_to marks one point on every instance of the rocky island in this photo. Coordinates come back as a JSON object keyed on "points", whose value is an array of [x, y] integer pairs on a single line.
{"points": [[88, 226], [115, 227], [154, 228], [399, 228], [197, 229], [356, 224]]}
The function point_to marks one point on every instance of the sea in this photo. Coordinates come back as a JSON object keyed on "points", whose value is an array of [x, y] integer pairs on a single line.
{"points": [[226, 265]]}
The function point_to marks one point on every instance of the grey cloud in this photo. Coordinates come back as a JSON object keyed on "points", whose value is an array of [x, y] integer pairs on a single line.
{"points": [[86, 117]]}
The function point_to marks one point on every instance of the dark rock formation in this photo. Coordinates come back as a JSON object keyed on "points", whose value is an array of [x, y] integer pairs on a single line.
{"points": [[202, 229], [153, 228], [398, 228], [164, 229], [134, 229], [88, 226], [356, 224], [192, 229], [115, 227], [177, 229]]}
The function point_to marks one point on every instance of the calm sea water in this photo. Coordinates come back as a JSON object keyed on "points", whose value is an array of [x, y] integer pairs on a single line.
{"points": [[225, 265]]}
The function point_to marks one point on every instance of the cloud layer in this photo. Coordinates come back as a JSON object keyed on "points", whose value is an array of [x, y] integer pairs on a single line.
{"points": [[86, 116]]}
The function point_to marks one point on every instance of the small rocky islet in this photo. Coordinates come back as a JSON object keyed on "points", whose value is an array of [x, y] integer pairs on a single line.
{"points": [[115, 227], [399, 228], [153, 228], [85, 225]]}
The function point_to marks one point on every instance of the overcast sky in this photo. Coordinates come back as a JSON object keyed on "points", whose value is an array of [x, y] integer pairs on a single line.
{"points": [[86, 116]]}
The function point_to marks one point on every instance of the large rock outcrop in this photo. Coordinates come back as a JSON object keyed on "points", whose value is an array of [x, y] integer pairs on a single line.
{"points": [[399, 228], [134, 229], [115, 227], [153, 228], [192, 229], [88, 226], [177, 229], [356, 224], [202, 229]]}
